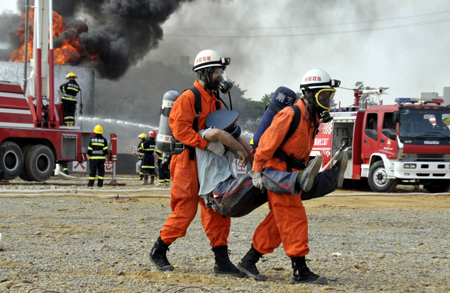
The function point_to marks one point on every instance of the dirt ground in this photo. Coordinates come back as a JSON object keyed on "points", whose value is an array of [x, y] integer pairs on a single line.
{"points": [[136, 201]]}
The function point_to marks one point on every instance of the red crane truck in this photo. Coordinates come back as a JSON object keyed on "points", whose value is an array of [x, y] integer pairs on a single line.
{"points": [[32, 138], [407, 143]]}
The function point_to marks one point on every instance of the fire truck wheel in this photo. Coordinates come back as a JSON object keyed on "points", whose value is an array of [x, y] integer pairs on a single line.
{"points": [[39, 163], [438, 186], [11, 161], [378, 180], [24, 175]]}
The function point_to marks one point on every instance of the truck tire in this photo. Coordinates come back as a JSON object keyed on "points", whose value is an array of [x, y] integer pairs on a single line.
{"points": [[23, 175], [39, 163], [11, 160], [438, 186], [378, 180]]}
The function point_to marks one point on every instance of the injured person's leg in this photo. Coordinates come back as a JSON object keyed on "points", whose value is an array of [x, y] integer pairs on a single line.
{"points": [[306, 177], [238, 197]]}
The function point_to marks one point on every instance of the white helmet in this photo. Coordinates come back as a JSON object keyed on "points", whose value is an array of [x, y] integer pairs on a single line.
{"points": [[318, 78], [209, 62], [209, 58], [318, 89]]}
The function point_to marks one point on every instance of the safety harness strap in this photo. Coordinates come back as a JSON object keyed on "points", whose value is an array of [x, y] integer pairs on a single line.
{"points": [[198, 109], [165, 111], [179, 147], [274, 107], [294, 124]]}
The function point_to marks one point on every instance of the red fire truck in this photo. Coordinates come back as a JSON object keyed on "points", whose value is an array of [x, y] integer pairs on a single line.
{"points": [[32, 138], [405, 143]]}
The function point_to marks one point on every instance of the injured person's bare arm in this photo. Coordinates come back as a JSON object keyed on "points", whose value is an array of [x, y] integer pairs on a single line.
{"points": [[227, 139], [247, 148]]}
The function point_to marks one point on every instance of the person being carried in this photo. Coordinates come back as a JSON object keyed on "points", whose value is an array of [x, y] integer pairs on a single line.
{"points": [[220, 186]]}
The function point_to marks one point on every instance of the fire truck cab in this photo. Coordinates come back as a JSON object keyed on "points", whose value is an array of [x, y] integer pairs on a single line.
{"points": [[407, 143]]}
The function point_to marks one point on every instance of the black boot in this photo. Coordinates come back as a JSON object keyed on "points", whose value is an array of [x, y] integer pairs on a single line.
{"points": [[248, 264], [223, 265], [158, 256], [302, 274], [339, 168]]}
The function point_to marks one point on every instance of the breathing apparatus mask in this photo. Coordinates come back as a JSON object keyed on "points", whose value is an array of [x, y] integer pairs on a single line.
{"points": [[321, 100], [216, 79]]}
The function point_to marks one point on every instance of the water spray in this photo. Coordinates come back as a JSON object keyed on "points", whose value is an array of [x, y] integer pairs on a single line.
{"points": [[120, 122]]}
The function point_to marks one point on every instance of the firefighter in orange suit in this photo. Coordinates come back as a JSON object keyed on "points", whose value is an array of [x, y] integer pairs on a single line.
{"points": [[210, 68], [286, 222]]}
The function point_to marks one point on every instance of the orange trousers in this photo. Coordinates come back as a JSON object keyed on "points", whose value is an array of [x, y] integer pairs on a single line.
{"points": [[286, 223], [184, 202]]}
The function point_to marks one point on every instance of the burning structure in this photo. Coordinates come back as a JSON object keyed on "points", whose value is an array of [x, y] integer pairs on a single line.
{"points": [[32, 135], [105, 36], [115, 34]]}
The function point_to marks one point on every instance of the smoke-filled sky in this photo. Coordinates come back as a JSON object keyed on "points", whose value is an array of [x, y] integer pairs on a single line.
{"points": [[403, 45]]}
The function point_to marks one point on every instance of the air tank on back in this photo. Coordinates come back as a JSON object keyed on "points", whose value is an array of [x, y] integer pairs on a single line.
{"points": [[164, 138]]}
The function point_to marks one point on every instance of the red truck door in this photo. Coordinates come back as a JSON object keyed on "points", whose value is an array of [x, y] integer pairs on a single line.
{"points": [[388, 140], [370, 138]]}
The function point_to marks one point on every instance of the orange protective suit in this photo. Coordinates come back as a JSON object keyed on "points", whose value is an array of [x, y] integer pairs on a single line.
{"points": [[184, 193], [286, 222]]}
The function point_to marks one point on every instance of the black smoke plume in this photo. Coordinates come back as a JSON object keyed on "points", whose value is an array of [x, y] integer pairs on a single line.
{"points": [[115, 34]]}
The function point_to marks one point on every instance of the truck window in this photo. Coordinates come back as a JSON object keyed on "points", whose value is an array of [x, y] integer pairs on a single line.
{"points": [[371, 126], [443, 123], [388, 129], [426, 124]]}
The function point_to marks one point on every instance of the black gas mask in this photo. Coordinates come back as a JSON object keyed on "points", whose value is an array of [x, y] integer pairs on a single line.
{"points": [[216, 79]]}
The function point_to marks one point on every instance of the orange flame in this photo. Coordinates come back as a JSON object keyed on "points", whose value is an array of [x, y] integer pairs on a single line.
{"points": [[71, 51], [19, 54]]}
